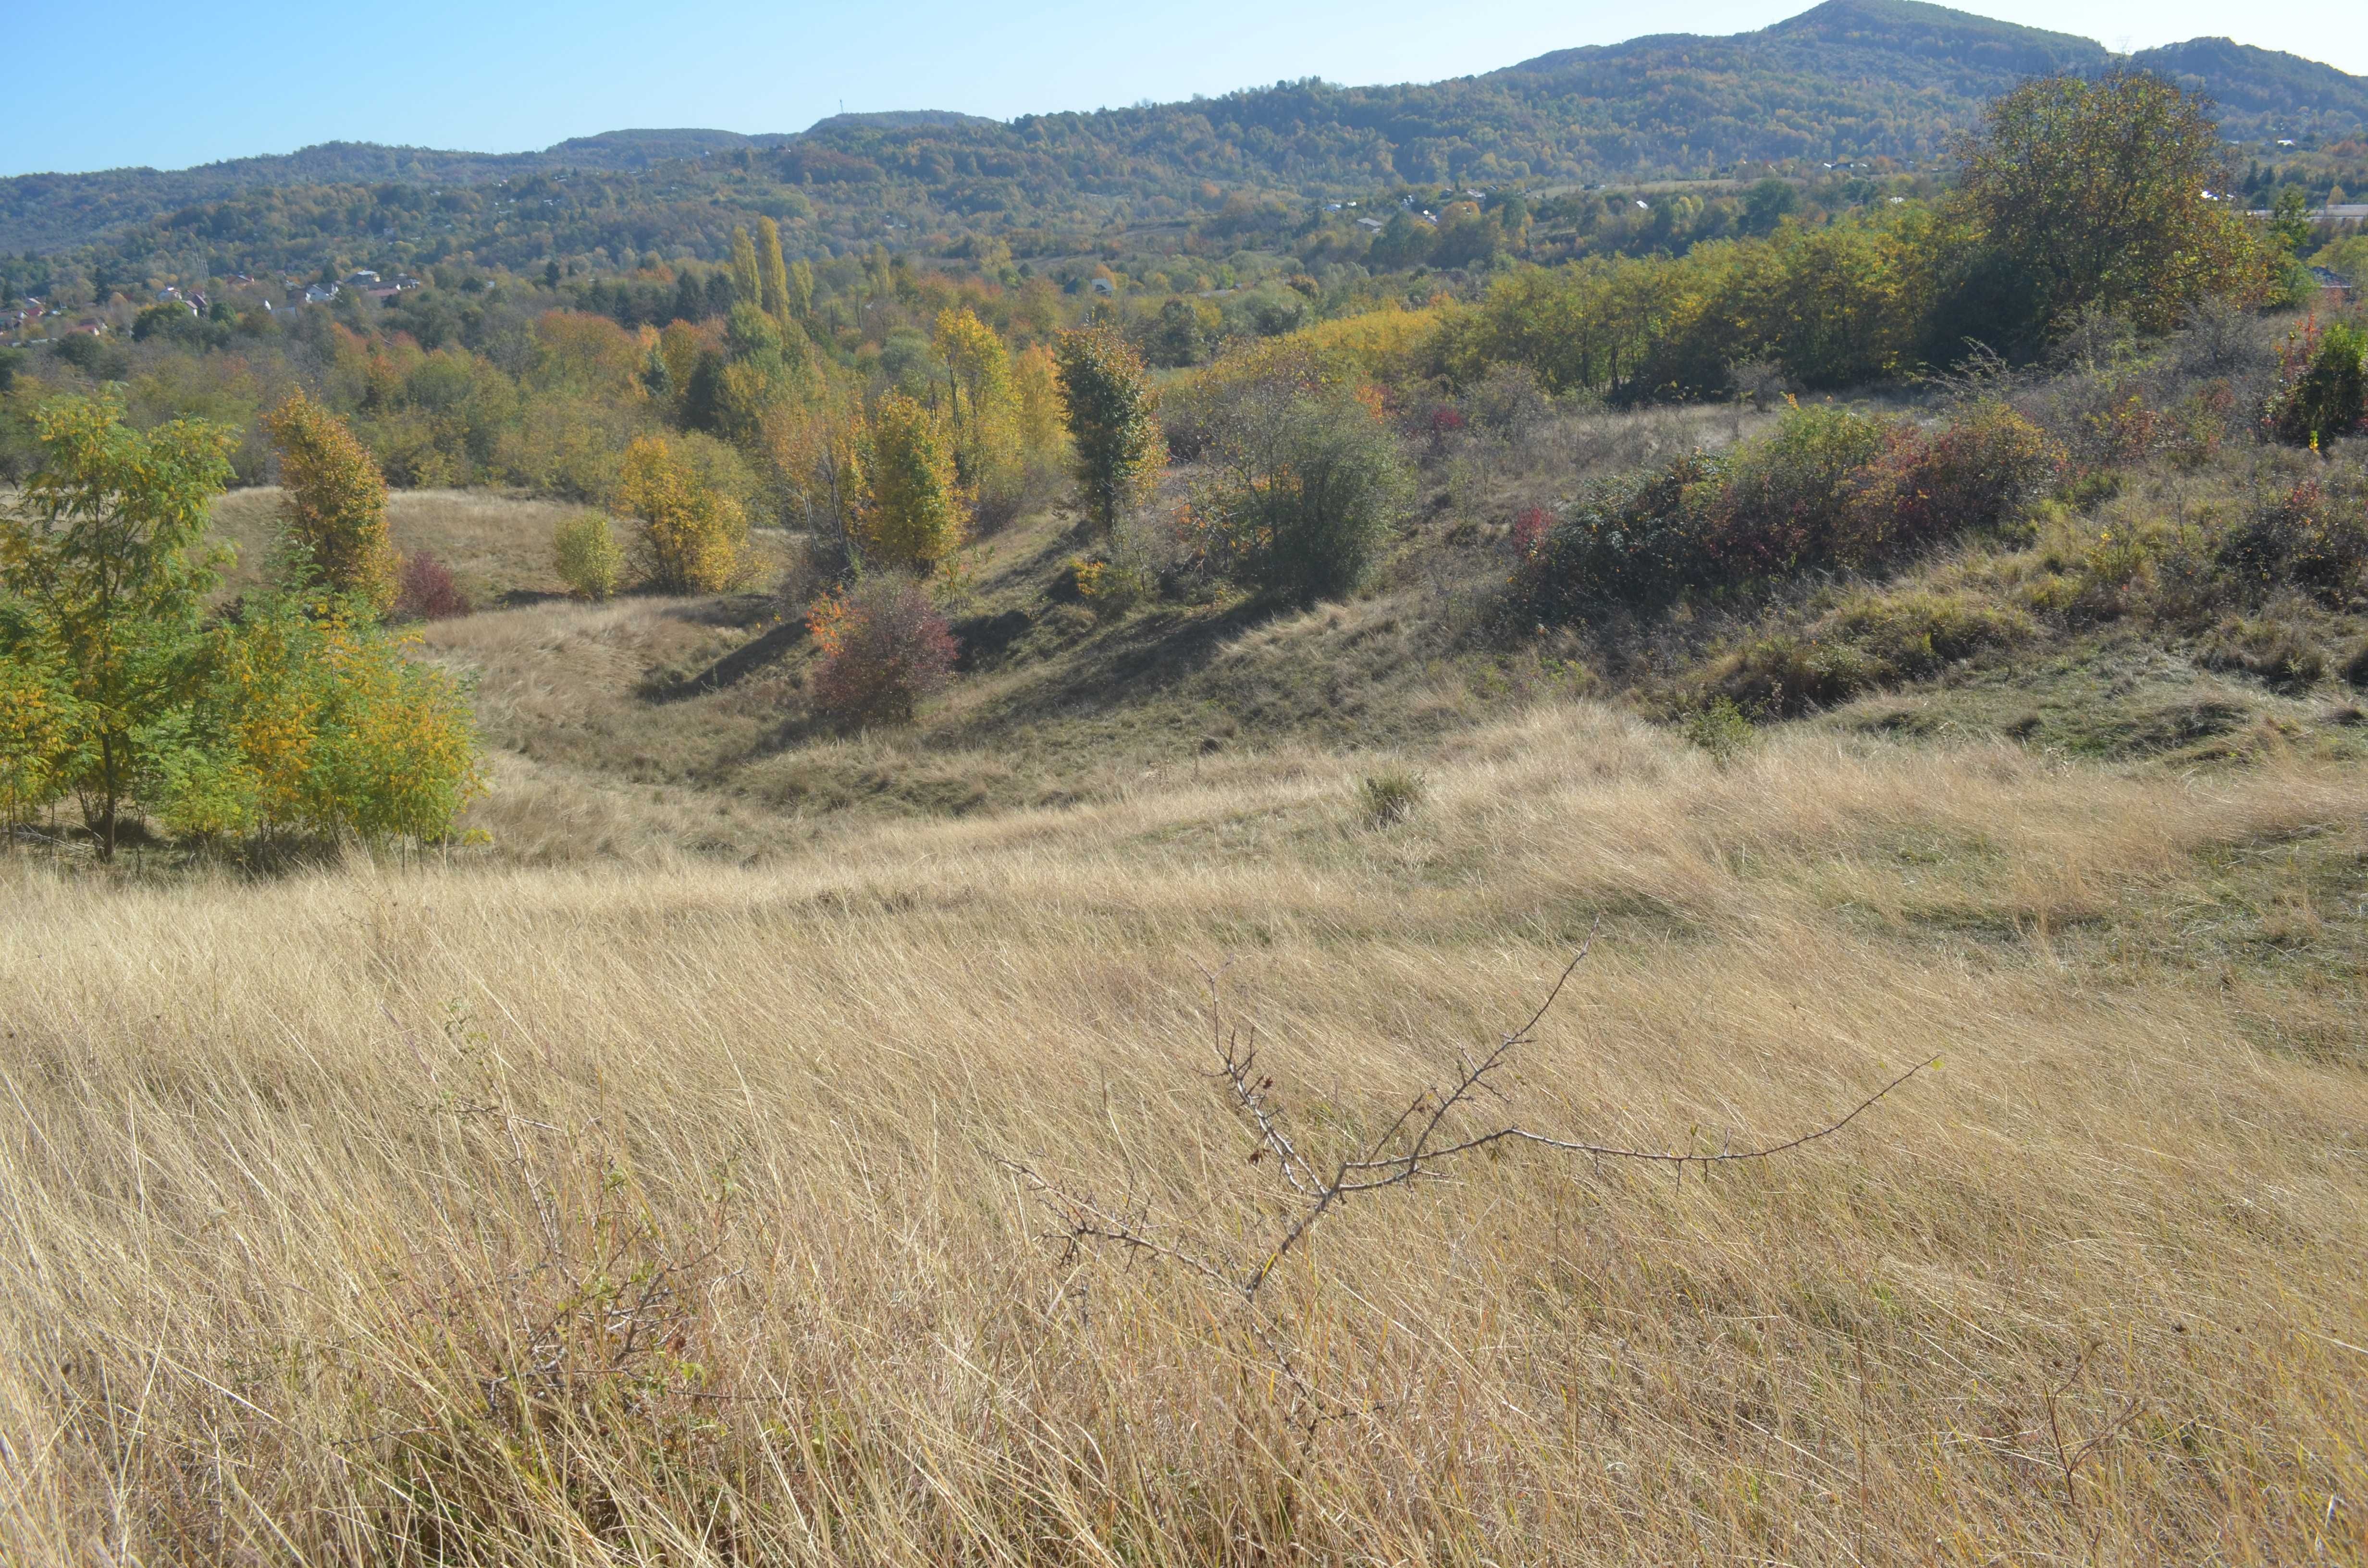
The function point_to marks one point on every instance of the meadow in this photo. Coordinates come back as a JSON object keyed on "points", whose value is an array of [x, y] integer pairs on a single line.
{"points": [[670, 1211]]}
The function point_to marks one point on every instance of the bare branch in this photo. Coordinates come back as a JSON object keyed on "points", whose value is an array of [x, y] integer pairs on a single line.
{"points": [[1415, 1144]]}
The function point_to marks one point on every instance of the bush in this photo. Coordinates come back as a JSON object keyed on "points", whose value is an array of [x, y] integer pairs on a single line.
{"points": [[334, 501], [692, 532], [2355, 668], [1866, 644], [310, 718], [1389, 798], [1720, 728], [1828, 490], [2323, 385], [2270, 650], [585, 554], [2310, 537], [883, 648], [1304, 498], [425, 590]]}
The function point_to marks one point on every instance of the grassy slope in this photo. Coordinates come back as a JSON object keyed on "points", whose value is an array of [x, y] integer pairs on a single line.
{"points": [[280, 1223], [312, 1206]]}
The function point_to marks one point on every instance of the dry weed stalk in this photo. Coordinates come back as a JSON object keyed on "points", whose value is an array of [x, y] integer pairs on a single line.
{"points": [[1416, 1145]]}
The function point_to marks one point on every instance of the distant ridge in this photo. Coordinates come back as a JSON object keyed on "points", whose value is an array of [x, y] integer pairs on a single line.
{"points": [[1847, 80]]}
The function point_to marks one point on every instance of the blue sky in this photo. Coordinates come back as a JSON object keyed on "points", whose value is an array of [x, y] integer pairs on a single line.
{"points": [[170, 87]]}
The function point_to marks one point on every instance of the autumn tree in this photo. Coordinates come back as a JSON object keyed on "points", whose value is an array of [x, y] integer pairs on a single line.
{"points": [[334, 501], [772, 275], [747, 281], [982, 412], [914, 516], [691, 533], [2106, 195], [104, 574], [802, 289], [1107, 396]]}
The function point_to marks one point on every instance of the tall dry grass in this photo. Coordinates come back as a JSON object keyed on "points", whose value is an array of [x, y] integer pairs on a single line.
{"points": [[654, 1216]]}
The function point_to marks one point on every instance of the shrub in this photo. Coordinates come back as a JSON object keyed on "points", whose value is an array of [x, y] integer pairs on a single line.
{"points": [[692, 531], [883, 648], [1814, 493], [1869, 643], [1988, 468], [2323, 385], [425, 590], [2308, 537], [1829, 490], [586, 556], [335, 501], [2270, 650], [1109, 587], [1305, 497], [1391, 797], [1720, 728], [2355, 668], [311, 719]]}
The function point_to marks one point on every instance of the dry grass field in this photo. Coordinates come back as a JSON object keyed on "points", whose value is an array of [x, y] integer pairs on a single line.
{"points": [[659, 1215]]}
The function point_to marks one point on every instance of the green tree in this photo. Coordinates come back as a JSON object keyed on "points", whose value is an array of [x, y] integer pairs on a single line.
{"points": [[104, 574], [2082, 196], [1107, 396], [914, 516], [1310, 489], [2290, 220], [334, 501], [802, 289]]}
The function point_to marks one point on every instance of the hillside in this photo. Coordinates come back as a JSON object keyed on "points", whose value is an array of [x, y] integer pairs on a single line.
{"points": [[1852, 79]]}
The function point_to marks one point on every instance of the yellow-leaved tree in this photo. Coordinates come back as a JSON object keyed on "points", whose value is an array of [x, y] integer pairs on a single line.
{"points": [[691, 533], [914, 516], [772, 277], [982, 415], [747, 282], [334, 501]]}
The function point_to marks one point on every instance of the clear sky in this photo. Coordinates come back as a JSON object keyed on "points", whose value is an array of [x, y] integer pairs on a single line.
{"points": [[138, 82]]}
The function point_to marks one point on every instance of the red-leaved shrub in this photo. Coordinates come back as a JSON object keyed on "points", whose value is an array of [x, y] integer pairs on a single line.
{"points": [[425, 591], [884, 647]]}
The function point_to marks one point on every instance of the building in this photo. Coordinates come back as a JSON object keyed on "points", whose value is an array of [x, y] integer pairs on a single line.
{"points": [[2331, 282]]}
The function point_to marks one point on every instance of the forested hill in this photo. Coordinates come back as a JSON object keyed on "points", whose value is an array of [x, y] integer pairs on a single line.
{"points": [[1850, 79]]}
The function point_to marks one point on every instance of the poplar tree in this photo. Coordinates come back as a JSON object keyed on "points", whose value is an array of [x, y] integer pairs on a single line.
{"points": [[984, 411], [746, 285], [772, 278], [801, 288]]}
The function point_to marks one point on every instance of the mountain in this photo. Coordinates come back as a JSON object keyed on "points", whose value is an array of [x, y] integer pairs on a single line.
{"points": [[1849, 80], [2264, 91]]}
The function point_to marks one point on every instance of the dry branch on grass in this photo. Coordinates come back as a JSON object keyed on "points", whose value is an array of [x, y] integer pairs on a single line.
{"points": [[1417, 1144]]}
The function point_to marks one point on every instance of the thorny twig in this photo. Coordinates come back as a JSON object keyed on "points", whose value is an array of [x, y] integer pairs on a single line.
{"points": [[1416, 1144]]}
